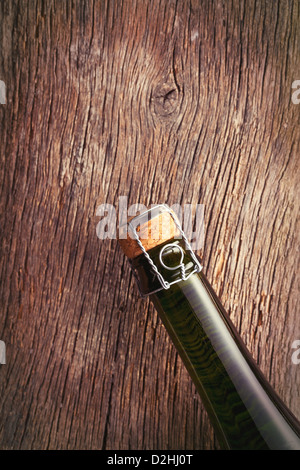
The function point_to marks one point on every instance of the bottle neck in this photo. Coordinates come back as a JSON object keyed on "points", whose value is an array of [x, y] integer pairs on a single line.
{"points": [[170, 263], [245, 411]]}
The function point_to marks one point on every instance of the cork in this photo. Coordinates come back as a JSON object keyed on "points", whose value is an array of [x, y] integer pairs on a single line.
{"points": [[153, 232]]}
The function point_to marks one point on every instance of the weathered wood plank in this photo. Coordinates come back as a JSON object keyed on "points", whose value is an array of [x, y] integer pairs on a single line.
{"points": [[161, 101]]}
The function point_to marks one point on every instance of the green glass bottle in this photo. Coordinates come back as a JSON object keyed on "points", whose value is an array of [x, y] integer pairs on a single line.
{"points": [[244, 410]]}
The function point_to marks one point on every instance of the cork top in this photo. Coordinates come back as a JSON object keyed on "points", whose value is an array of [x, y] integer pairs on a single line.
{"points": [[153, 228]]}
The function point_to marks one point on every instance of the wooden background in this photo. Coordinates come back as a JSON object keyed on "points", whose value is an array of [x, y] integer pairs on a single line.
{"points": [[164, 102]]}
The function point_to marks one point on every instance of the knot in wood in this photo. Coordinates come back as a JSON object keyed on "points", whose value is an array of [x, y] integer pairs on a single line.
{"points": [[166, 99]]}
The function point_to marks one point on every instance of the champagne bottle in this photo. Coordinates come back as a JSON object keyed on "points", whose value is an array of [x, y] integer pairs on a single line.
{"points": [[243, 408]]}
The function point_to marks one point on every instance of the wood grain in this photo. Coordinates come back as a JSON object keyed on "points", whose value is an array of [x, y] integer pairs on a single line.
{"points": [[164, 102]]}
